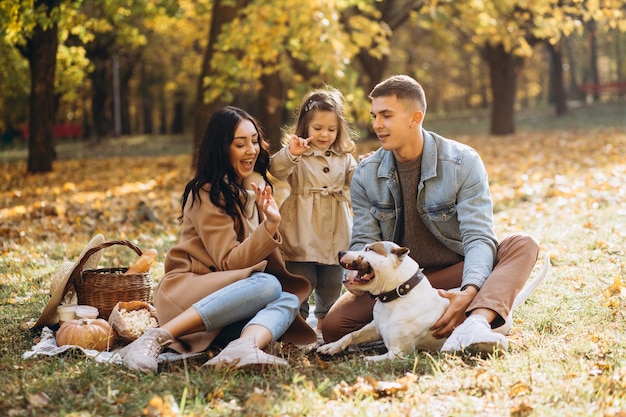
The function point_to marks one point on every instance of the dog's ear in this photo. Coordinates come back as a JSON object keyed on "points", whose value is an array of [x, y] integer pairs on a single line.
{"points": [[400, 252]]}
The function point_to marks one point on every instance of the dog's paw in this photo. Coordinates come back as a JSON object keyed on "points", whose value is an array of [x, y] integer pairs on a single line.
{"points": [[385, 356], [330, 348]]}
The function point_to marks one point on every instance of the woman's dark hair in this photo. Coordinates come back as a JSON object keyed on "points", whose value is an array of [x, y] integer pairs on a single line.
{"points": [[213, 162]]}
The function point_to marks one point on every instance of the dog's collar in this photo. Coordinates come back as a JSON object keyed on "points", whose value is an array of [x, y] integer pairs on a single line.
{"points": [[401, 290]]}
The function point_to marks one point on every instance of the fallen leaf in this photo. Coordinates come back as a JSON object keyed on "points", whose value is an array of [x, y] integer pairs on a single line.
{"points": [[519, 388], [521, 408], [162, 407], [38, 400], [258, 399], [370, 386]]}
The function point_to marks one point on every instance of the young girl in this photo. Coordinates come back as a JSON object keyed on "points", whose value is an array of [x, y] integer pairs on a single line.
{"points": [[225, 278], [316, 218]]}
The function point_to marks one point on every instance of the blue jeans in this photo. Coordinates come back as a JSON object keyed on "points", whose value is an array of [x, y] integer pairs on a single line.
{"points": [[259, 298]]}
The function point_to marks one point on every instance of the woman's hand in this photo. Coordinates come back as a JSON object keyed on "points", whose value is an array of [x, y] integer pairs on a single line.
{"points": [[268, 205], [297, 145]]}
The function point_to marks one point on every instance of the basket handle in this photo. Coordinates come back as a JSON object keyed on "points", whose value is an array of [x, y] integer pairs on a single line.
{"points": [[101, 246]]}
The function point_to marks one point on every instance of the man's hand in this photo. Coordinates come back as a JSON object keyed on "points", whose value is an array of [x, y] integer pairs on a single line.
{"points": [[350, 275], [455, 314]]}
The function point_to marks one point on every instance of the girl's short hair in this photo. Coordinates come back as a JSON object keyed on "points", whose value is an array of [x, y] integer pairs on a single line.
{"points": [[326, 99]]}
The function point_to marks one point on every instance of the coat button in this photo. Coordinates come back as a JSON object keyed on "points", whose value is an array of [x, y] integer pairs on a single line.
{"points": [[327, 153], [212, 268], [326, 169]]}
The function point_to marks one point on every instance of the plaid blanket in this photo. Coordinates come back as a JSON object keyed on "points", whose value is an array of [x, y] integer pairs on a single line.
{"points": [[48, 347]]}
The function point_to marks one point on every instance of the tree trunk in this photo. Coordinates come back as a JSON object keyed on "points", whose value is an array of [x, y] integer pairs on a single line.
{"points": [[503, 68], [178, 122], [271, 106], [557, 88], [222, 13], [394, 14], [146, 108], [574, 89], [41, 52], [100, 98], [147, 102], [593, 56], [373, 68], [126, 73], [162, 111], [125, 109], [99, 52]]}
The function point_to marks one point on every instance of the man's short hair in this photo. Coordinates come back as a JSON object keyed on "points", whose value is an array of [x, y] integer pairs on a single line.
{"points": [[403, 87]]}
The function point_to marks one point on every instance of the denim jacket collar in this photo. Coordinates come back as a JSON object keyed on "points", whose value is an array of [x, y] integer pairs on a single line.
{"points": [[387, 166], [429, 156]]}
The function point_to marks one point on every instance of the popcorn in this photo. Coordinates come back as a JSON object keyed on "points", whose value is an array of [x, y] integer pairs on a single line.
{"points": [[137, 321], [130, 319]]}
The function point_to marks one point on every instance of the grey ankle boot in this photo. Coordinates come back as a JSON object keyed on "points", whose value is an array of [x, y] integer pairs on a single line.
{"points": [[141, 355], [244, 352]]}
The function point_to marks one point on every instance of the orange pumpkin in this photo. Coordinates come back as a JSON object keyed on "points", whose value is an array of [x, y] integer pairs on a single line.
{"points": [[87, 333]]}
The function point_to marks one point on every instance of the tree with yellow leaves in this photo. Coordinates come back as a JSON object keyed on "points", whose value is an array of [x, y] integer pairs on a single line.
{"points": [[277, 50], [505, 31]]}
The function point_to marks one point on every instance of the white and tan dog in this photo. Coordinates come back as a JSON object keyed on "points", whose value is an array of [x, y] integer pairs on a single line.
{"points": [[407, 305]]}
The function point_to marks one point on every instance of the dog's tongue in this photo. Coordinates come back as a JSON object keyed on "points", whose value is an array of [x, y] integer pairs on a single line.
{"points": [[365, 271], [349, 281], [355, 278]]}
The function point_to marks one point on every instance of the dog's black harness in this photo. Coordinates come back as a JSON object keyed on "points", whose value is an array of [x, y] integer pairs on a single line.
{"points": [[402, 289]]}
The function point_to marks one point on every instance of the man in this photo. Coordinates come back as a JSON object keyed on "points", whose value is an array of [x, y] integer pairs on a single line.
{"points": [[431, 194]]}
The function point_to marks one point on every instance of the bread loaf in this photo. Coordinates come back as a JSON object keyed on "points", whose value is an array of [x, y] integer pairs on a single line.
{"points": [[143, 263]]}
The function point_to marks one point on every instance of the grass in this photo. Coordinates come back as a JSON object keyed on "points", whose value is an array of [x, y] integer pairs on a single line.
{"points": [[559, 180]]}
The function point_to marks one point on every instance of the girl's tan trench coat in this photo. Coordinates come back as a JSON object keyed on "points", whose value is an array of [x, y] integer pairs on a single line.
{"points": [[316, 217]]}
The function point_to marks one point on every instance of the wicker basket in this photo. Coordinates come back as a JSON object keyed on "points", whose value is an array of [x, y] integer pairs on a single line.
{"points": [[105, 287]]}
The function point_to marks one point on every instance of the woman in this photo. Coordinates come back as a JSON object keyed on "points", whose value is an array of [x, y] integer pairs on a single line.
{"points": [[226, 271]]}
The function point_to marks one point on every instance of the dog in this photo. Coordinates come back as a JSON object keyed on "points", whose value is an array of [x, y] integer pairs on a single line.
{"points": [[407, 305]]}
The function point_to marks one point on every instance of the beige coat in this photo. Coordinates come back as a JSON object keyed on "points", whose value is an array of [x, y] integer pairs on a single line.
{"points": [[213, 252], [316, 218]]}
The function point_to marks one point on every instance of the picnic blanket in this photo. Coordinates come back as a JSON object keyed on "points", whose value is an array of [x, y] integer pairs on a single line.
{"points": [[47, 346]]}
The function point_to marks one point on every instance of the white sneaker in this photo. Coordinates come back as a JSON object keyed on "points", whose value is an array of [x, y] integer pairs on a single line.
{"points": [[142, 354], [243, 352], [474, 336]]}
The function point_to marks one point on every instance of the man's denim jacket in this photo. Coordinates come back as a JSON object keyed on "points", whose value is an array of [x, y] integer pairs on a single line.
{"points": [[452, 199]]}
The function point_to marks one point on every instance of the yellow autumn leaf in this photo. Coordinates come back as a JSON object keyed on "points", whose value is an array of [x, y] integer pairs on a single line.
{"points": [[519, 388], [614, 289]]}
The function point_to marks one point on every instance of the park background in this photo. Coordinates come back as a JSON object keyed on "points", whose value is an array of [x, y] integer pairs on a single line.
{"points": [[102, 103], [111, 68]]}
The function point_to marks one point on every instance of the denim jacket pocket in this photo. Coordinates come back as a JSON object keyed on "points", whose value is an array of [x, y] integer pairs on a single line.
{"points": [[383, 214], [444, 219], [442, 214], [387, 221]]}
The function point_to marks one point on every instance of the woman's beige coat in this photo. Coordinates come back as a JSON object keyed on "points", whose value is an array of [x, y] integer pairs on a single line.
{"points": [[213, 252], [316, 217]]}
